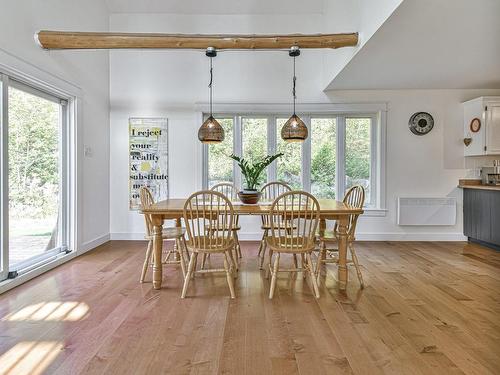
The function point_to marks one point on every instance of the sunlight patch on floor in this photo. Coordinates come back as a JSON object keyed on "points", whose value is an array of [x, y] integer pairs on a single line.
{"points": [[29, 357], [55, 311]]}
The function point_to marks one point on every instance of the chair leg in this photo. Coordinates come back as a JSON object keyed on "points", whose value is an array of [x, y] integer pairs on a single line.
{"points": [[274, 275], [195, 256], [229, 275], [262, 242], [203, 260], [356, 265], [181, 257], [186, 248], [146, 261], [237, 242], [190, 272], [304, 263], [321, 256], [312, 274], [264, 247], [234, 262], [268, 268]]}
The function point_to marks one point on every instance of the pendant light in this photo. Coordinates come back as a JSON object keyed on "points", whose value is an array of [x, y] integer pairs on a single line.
{"points": [[211, 131], [294, 129]]}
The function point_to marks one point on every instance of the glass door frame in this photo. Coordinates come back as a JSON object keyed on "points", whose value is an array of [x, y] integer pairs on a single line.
{"points": [[4, 178], [64, 184]]}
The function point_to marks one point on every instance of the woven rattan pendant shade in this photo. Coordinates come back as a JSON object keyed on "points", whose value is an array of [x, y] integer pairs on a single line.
{"points": [[211, 131]]}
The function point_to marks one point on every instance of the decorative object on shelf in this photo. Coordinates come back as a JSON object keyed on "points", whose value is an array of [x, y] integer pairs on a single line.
{"points": [[467, 141], [211, 131], [475, 125], [148, 158], [421, 123], [252, 172], [294, 129]]}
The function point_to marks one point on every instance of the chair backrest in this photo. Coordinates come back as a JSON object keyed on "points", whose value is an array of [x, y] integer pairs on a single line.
{"points": [[270, 192], [226, 188], [146, 200], [209, 219], [294, 219], [354, 197]]}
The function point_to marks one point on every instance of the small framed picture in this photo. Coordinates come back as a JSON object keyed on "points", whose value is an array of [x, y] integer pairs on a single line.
{"points": [[475, 125]]}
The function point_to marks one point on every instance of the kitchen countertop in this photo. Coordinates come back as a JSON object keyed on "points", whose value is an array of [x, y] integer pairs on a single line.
{"points": [[479, 186]]}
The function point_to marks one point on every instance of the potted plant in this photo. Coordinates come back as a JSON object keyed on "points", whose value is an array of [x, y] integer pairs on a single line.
{"points": [[252, 172]]}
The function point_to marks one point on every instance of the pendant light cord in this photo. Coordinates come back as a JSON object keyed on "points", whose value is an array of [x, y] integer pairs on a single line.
{"points": [[210, 84], [294, 84]]}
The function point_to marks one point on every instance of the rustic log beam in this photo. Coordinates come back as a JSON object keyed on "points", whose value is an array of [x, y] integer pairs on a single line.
{"points": [[97, 40]]}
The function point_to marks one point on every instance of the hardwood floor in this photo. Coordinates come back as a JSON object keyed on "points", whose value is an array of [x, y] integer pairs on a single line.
{"points": [[428, 308]]}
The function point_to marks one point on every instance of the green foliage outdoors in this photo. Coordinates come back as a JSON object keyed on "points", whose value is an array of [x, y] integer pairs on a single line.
{"points": [[33, 156], [289, 167], [252, 171]]}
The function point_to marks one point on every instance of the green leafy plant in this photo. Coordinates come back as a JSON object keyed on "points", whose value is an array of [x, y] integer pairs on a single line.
{"points": [[253, 171]]}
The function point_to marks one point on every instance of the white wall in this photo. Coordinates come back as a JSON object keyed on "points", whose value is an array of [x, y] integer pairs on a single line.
{"points": [[19, 20], [426, 166], [169, 83]]}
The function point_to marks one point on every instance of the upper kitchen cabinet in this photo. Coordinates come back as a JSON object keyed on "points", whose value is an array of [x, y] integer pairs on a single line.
{"points": [[482, 126]]}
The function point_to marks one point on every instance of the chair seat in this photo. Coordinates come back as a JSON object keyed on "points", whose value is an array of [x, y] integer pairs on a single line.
{"points": [[221, 227], [281, 226], [169, 233], [201, 244], [304, 245]]}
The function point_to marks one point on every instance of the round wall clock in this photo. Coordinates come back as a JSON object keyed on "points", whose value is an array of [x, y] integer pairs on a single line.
{"points": [[475, 125], [421, 123]]}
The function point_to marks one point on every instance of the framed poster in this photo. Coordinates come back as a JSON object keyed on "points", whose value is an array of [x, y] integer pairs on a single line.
{"points": [[148, 158]]}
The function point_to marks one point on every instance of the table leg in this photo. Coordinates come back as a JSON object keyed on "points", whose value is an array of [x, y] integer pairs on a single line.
{"points": [[176, 247], [322, 229], [342, 265], [157, 222]]}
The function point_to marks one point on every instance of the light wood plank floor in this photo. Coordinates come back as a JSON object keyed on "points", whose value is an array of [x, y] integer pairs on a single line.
{"points": [[428, 308]]}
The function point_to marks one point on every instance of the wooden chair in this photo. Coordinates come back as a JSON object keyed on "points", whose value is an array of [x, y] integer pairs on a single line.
{"points": [[270, 192], [230, 191], [173, 233], [209, 219], [300, 209], [354, 197]]}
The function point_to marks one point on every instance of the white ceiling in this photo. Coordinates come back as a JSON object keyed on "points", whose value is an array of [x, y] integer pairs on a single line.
{"points": [[299, 7], [429, 44]]}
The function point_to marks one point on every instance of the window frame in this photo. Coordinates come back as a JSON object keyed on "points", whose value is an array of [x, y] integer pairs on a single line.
{"points": [[375, 111], [25, 77]]}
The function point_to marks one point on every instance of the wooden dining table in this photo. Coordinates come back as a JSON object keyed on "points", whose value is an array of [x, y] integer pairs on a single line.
{"points": [[173, 209]]}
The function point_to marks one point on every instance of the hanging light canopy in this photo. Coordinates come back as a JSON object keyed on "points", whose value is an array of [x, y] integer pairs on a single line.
{"points": [[294, 129], [211, 131]]}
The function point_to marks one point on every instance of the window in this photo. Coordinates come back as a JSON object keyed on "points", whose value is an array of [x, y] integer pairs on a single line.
{"points": [[220, 167], [34, 221], [289, 166], [340, 152], [323, 157]]}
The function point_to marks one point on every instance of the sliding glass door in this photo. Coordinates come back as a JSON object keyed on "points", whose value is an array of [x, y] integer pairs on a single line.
{"points": [[33, 178]]}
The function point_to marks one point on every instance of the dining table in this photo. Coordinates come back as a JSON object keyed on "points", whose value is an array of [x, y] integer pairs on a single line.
{"points": [[173, 209]]}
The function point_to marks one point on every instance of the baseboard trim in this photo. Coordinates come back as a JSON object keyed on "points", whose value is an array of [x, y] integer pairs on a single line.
{"points": [[92, 244], [256, 236]]}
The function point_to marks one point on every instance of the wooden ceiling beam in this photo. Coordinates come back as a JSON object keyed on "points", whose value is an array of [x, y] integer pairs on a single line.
{"points": [[107, 40]]}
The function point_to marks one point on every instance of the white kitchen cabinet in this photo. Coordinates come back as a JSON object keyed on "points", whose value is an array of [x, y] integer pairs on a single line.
{"points": [[487, 140]]}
